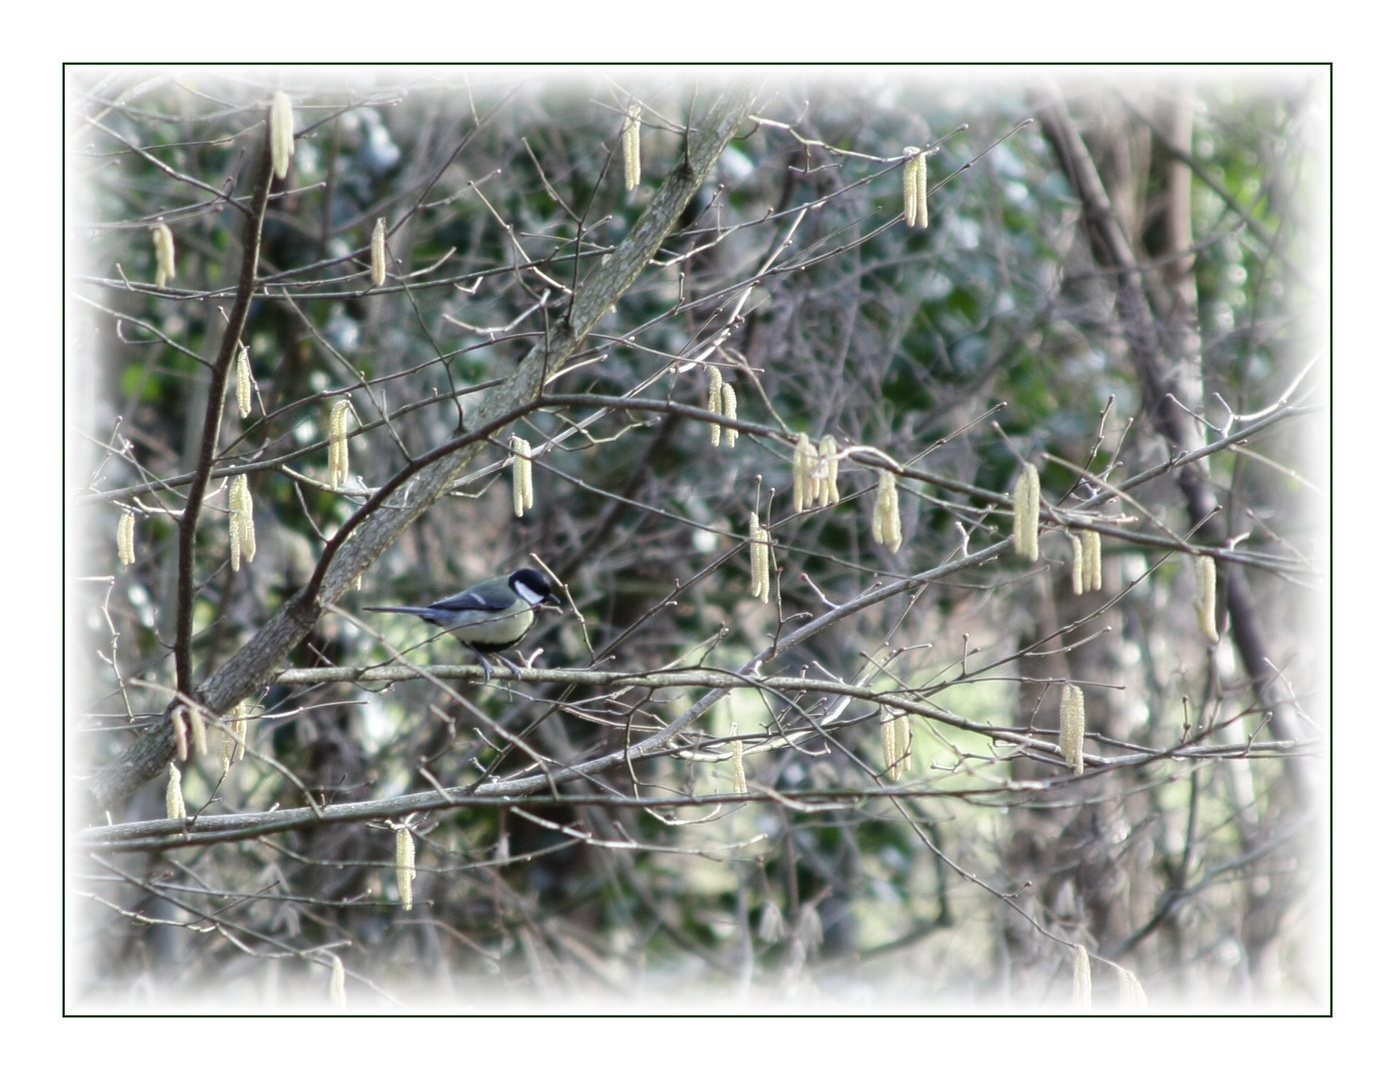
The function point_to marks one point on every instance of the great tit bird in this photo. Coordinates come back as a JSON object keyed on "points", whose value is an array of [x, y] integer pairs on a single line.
{"points": [[491, 616]]}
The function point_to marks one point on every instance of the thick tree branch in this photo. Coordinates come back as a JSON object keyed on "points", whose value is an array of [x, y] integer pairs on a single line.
{"points": [[213, 423], [162, 834], [535, 790]]}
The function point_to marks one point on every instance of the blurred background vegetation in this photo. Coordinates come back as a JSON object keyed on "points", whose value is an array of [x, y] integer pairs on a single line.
{"points": [[1189, 853]]}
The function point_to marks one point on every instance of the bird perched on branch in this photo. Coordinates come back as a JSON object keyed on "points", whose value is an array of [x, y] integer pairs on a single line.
{"points": [[491, 616]]}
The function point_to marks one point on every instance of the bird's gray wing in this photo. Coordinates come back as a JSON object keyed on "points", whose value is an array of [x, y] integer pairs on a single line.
{"points": [[470, 600]]}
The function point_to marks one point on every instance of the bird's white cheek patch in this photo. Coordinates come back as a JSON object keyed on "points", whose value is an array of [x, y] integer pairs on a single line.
{"points": [[528, 595]]}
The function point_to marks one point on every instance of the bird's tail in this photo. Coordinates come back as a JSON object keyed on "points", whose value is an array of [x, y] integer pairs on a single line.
{"points": [[402, 610]]}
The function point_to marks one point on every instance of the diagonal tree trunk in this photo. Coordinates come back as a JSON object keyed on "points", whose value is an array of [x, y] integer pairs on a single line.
{"points": [[1171, 401]]}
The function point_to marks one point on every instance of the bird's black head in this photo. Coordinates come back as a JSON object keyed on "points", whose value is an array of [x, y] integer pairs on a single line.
{"points": [[532, 587]]}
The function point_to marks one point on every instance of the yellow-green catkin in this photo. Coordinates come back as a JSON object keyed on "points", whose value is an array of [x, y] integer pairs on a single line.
{"points": [[1094, 570], [234, 735], [760, 560], [1205, 602], [1131, 995], [772, 924], [198, 732], [714, 400], [164, 254], [244, 382], [630, 141], [126, 538], [729, 411], [826, 472], [738, 766], [378, 258], [890, 758], [337, 996], [912, 186], [922, 193], [901, 727], [806, 463], [229, 744], [406, 866], [181, 736], [339, 443], [1086, 572], [174, 794], [282, 134], [242, 531], [886, 517], [1026, 509], [248, 523], [1082, 979], [522, 474], [1073, 727]]}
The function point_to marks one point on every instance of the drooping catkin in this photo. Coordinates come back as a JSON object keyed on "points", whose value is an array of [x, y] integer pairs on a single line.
{"points": [[337, 996], [181, 736], [1131, 995], [1082, 979], [902, 728], [248, 522], [126, 538], [1205, 602], [760, 560], [229, 747], [234, 735], [378, 259], [241, 528], [910, 187], [244, 382], [772, 924], [805, 463], [522, 474], [808, 927], [738, 766], [729, 411], [339, 442], [630, 141], [714, 400], [229, 744], [886, 517], [922, 200], [406, 865], [1073, 727], [890, 758], [1094, 572], [164, 254], [198, 732], [1077, 565], [1026, 508], [827, 471], [174, 794], [282, 134]]}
